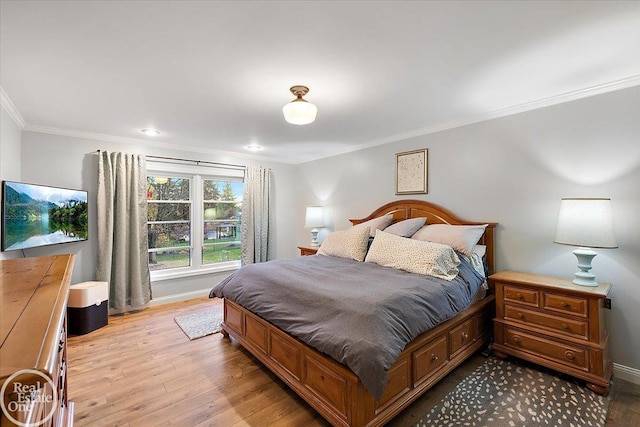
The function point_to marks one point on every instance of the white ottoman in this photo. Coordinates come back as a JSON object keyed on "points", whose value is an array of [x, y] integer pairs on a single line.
{"points": [[88, 307]]}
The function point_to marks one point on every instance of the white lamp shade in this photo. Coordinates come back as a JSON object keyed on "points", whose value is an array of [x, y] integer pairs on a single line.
{"points": [[314, 217], [586, 222], [299, 112]]}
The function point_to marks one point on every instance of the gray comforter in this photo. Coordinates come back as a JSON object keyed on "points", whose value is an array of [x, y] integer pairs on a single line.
{"points": [[360, 314]]}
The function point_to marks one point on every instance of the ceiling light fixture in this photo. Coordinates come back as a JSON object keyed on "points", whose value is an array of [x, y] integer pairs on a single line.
{"points": [[253, 147], [299, 111], [150, 132]]}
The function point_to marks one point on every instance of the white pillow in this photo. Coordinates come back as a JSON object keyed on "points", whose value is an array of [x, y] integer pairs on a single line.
{"points": [[406, 228], [374, 224], [414, 256], [350, 243], [460, 237]]}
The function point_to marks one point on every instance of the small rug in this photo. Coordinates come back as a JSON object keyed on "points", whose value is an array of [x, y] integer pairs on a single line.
{"points": [[202, 322], [507, 393]]}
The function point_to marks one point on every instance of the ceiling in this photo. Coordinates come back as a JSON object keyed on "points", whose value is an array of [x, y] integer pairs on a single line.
{"points": [[215, 75]]}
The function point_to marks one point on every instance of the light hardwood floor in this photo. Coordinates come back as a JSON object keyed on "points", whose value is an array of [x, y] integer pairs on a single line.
{"points": [[141, 370]]}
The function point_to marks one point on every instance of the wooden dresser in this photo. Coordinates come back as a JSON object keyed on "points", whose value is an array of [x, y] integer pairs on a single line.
{"points": [[33, 359], [554, 323]]}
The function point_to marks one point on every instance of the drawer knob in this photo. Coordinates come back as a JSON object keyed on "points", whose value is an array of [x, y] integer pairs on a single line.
{"points": [[564, 304], [520, 316], [434, 357], [516, 339], [464, 336], [565, 326], [569, 355], [519, 295]]}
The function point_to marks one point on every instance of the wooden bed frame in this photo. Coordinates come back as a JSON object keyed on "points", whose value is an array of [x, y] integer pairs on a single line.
{"points": [[335, 391]]}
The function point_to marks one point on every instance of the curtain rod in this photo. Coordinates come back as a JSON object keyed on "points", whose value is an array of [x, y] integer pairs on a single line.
{"points": [[197, 162]]}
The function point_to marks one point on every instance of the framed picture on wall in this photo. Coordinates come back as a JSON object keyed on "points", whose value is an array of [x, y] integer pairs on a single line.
{"points": [[411, 172]]}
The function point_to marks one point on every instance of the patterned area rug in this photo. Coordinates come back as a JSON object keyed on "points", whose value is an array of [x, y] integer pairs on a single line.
{"points": [[507, 393], [202, 322]]}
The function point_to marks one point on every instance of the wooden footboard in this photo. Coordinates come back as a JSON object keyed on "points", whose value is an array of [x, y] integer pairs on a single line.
{"points": [[335, 391]]}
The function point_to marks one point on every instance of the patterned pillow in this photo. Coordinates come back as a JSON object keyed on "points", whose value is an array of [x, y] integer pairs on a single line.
{"points": [[350, 243], [374, 224], [406, 228], [460, 237], [414, 256]]}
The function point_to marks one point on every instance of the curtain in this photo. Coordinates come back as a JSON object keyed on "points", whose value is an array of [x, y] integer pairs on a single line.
{"points": [[122, 230], [257, 229]]}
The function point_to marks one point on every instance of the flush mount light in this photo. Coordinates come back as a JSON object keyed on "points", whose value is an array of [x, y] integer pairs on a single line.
{"points": [[253, 147], [150, 132], [299, 111]]}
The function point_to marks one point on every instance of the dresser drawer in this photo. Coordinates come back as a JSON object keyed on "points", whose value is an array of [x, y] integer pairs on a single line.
{"points": [[428, 359], [461, 336], [565, 304], [575, 328], [569, 355], [521, 296]]}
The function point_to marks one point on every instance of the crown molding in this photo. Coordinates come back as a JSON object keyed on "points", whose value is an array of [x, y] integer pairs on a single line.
{"points": [[150, 144], [11, 109], [502, 112]]}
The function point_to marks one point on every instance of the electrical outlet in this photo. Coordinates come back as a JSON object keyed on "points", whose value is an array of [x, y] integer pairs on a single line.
{"points": [[607, 303]]}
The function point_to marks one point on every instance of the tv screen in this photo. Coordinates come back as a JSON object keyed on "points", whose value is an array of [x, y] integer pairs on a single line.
{"points": [[38, 215]]}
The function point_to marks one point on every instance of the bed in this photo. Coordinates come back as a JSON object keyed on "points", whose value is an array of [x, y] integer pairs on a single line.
{"points": [[334, 390]]}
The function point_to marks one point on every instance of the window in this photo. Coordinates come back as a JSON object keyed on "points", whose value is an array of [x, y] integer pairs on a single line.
{"points": [[222, 211], [194, 222]]}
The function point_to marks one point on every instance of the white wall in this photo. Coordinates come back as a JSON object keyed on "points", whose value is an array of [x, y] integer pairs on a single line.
{"points": [[514, 170], [9, 159], [69, 162]]}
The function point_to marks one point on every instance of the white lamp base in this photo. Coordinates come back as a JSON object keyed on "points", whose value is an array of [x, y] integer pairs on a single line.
{"points": [[584, 277], [314, 234]]}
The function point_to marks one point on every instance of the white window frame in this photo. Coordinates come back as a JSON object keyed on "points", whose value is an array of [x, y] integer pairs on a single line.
{"points": [[196, 175]]}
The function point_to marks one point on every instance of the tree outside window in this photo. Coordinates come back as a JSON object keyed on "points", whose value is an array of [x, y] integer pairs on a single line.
{"points": [[193, 222]]}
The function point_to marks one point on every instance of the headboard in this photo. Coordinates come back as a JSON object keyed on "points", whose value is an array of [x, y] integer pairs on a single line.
{"points": [[405, 209]]}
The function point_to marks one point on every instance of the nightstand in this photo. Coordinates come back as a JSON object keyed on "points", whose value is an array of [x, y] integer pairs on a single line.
{"points": [[554, 323], [308, 250]]}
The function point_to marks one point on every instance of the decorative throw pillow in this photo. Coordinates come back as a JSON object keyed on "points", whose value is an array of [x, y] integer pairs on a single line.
{"points": [[414, 256], [460, 237], [350, 243], [374, 224], [406, 228]]}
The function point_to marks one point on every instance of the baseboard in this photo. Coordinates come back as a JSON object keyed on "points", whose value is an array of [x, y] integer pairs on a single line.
{"points": [[626, 373], [179, 297]]}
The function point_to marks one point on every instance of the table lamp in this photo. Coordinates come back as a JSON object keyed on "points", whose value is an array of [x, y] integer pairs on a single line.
{"points": [[314, 219], [587, 223]]}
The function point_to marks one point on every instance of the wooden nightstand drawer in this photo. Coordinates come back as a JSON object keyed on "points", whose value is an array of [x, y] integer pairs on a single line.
{"points": [[560, 352], [553, 322], [308, 250], [566, 304], [521, 296], [576, 328]]}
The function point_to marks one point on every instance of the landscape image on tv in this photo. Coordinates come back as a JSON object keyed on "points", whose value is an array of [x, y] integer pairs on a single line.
{"points": [[39, 215]]}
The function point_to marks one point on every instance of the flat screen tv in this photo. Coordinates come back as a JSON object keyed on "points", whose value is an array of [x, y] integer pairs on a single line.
{"points": [[39, 215]]}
